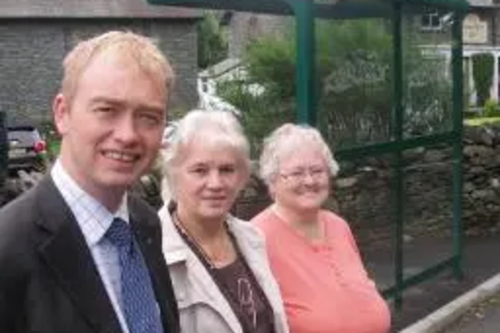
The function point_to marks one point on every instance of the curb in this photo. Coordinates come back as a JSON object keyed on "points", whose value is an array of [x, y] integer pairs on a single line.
{"points": [[444, 316]]}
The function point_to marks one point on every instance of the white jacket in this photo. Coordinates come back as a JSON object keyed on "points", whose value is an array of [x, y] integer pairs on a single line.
{"points": [[202, 307]]}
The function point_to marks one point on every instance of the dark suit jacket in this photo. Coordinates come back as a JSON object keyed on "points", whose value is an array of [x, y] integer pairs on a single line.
{"points": [[48, 280]]}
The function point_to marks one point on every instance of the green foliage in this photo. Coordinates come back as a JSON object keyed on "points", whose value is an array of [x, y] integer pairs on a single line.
{"points": [[490, 109], [354, 68], [483, 121], [49, 133], [212, 41], [428, 97], [467, 89], [482, 72], [271, 63], [260, 114]]}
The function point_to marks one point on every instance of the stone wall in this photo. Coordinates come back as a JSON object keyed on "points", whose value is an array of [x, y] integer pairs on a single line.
{"points": [[481, 197], [31, 52], [363, 192]]}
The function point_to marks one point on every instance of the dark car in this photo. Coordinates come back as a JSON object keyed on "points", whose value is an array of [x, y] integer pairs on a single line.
{"points": [[3, 152], [27, 149]]}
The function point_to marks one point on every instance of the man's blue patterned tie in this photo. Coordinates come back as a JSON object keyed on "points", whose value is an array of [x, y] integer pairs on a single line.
{"points": [[138, 298]]}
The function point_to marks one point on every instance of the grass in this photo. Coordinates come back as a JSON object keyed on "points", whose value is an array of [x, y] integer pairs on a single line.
{"points": [[482, 121]]}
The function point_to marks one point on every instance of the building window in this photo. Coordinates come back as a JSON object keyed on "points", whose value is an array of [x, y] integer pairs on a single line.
{"points": [[431, 21]]}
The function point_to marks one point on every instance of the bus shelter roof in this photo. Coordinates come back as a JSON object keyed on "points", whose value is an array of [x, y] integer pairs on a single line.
{"points": [[328, 9]]}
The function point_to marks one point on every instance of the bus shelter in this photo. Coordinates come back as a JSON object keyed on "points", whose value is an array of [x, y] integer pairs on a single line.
{"points": [[415, 117]]}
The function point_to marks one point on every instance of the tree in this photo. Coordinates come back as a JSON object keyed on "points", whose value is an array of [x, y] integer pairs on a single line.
{"points": [[212, 41], [354, 67], [482, 71]]}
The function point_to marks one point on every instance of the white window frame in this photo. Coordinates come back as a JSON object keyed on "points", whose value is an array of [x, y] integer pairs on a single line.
{"points": [[434, 21]]}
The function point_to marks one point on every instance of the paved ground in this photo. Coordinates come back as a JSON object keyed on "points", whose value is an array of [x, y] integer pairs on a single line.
{"points": [[482, 318], [481, 261]]}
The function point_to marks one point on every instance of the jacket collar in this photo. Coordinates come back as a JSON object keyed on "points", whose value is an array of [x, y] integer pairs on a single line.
{"points": [[252, 246], [192, 283], [198, 285], [176, 250], [63, 248]]}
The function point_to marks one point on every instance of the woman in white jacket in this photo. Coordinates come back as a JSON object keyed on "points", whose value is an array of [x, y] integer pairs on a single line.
{"points": [[218, 263]]}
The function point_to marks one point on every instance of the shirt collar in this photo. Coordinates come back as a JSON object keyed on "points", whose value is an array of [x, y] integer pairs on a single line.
{"points": [[93, 218]]}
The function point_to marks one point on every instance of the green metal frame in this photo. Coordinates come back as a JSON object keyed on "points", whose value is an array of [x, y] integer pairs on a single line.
{"points": [[322, 9], [305, 12], [397, 135], [457, 69]]}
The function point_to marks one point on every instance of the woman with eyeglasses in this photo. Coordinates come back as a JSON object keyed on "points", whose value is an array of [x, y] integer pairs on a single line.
{"points": [[218, 264], [312, 251]]}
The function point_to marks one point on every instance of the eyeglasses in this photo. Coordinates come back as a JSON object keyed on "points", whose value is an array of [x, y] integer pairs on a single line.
{"points": [[299, 175]]}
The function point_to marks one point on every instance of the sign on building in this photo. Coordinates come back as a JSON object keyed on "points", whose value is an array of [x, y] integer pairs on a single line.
{"points": [[475, 31]]}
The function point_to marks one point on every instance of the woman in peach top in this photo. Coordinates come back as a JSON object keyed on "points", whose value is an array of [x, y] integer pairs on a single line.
{"points": [[312, 251]]}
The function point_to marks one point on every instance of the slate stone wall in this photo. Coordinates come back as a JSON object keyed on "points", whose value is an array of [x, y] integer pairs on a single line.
{"points": [[363, 193], [31, 52]]}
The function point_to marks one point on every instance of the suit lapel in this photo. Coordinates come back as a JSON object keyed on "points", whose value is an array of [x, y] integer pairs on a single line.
{"points": [[66, 254]]}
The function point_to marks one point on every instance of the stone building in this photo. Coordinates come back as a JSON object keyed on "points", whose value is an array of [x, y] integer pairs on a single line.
{"points": [[36, 35], [481, 34], [244, 27]]}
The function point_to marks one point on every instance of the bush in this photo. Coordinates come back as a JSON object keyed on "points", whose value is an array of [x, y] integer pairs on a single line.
{"points": [[52, 139], [212, 40], [260, 114], [482, 72], [354, 90], [490, 108]]}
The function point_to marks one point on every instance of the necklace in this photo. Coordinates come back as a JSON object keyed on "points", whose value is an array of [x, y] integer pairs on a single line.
{"points": [[248, 295], [198, 249]]}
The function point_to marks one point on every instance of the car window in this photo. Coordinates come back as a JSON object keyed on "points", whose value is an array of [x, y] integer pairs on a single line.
{"points": [[23, 137]]}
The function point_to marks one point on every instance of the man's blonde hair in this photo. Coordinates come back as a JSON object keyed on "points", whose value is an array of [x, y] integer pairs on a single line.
{"points": [[142, 49]]}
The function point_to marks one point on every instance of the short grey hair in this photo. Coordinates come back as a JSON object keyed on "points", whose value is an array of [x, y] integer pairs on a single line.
{"points": [[284, 141], [216, 128]]}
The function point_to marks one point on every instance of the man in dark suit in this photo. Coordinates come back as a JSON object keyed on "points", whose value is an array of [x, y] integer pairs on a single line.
{"points": [[77, 253]]}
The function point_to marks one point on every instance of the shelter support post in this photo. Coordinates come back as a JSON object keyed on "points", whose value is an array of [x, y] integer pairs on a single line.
{"points": [[457, 67], [397, 136], [305, 66]]}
